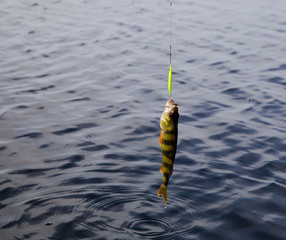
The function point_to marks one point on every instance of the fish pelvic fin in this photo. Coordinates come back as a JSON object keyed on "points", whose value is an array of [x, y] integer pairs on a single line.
{"points": [[163, 191], [160, 139]]}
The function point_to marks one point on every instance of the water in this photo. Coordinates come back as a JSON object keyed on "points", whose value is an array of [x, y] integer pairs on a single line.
{"points": [[83, 85]]}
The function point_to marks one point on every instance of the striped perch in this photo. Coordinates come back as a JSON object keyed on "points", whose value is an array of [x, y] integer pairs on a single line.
{"points": [[168, 142]]}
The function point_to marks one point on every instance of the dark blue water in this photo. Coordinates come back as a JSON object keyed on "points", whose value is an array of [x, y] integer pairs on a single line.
{"points": [[82, 88]]}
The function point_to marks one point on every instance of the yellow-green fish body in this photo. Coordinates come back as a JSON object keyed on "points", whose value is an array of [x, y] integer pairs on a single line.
{"points": [[168, 142]]}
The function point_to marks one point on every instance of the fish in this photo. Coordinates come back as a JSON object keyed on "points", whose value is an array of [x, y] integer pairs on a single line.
{"points": [[168, 142]]}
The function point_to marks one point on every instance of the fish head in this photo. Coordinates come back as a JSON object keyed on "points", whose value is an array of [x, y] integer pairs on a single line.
{"points": [[172, 109], [170, 115]]}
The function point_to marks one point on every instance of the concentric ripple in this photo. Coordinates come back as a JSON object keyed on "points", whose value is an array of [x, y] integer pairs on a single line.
{"points": [[150, 228], [134, 214]]}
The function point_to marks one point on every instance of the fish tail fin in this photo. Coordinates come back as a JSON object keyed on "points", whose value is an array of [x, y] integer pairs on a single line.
{"points": [[163, 191]]}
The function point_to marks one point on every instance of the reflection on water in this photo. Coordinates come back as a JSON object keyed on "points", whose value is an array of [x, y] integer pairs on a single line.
{"points": [[83, 85]]}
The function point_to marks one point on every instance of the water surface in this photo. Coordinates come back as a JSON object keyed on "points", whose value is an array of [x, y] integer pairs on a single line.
{"points": [[83, 85]]}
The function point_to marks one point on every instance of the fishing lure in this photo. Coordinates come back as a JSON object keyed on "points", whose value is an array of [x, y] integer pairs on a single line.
{"points": [[170, 80]]}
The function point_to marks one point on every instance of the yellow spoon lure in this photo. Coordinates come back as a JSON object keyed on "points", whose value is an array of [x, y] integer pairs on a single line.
{"points": [[170, 80]]}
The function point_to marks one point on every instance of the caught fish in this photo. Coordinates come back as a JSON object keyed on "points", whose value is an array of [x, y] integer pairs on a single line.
{"points": [[168, 142]]}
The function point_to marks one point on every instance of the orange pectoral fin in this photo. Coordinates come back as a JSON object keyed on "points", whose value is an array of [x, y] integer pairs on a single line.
{"points": [[160, 139], [162, 166]]}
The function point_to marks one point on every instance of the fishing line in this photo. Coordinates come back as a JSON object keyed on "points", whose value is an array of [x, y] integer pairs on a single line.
{"points": [[171, 3], [170, 68]]}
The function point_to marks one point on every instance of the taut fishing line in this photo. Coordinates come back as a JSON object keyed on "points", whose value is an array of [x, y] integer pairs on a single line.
{"points": [[171, 3]]}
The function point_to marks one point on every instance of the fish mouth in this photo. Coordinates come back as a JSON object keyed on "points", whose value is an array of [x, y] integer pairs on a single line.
{"points": [[171, 104], [171, 107]]}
